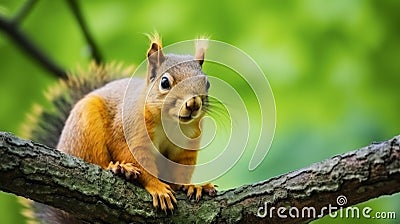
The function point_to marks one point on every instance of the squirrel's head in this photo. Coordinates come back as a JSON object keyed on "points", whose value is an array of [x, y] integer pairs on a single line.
{"points": [[176, 84]]}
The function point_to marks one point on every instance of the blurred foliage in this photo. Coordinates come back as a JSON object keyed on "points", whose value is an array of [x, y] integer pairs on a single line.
{"points": [[333, 66]]}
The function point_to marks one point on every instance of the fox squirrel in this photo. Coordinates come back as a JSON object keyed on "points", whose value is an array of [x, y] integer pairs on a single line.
{"points": [[89, 115]]}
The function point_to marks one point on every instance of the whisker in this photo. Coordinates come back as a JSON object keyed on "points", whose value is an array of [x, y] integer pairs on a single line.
{"points": [[217, 110]]}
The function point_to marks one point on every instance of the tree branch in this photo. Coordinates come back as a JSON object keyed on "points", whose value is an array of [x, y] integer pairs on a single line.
{"points": [[23, 12], [82, 24], [43, 174], [15, 34]]}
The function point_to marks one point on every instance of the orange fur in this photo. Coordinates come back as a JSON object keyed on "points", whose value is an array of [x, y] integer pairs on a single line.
{"points": [[89, 140]]}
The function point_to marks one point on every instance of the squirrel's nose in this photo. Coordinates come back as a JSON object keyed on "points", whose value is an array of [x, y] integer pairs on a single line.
{"points": [[193, 104]]}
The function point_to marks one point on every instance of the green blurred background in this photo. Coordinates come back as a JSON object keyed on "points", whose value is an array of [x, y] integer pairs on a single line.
{"points": [[333, 66]]}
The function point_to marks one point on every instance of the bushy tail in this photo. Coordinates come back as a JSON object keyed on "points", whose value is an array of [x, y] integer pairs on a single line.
{"points": [[45, 125]]}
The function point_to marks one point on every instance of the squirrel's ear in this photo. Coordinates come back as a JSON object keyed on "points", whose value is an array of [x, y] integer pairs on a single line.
{"points": [[201, 47], [155, 56]]}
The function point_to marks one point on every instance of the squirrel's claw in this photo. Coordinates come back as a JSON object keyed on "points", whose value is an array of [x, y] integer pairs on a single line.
{"points": [[192, 190], [127, 170], [210, 189], [163, 196]]}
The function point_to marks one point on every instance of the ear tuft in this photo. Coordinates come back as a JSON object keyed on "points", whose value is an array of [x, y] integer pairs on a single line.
{"points": [[201, 45], [156, 43]]}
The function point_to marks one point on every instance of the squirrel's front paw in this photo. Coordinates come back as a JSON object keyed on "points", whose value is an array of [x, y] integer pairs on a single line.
{"points": [[163, 195], [198, 190], [128, 170]]}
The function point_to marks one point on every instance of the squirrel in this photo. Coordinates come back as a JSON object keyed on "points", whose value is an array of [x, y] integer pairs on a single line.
{"points": [[87, 122]]}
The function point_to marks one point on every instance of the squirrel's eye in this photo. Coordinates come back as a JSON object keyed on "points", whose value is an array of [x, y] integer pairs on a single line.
{"points": [[165, 83]]}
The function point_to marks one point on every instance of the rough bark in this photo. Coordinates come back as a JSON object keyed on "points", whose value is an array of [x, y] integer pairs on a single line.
{"points": [[43, 174]]}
